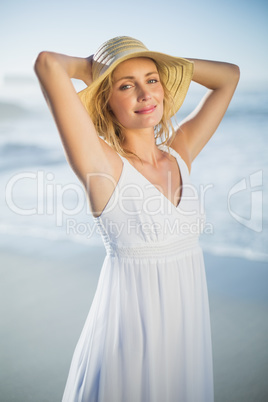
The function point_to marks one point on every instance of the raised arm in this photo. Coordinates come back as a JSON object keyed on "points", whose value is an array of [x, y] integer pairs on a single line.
{"points": [[196, 129], [85, 150], [95, 163]]}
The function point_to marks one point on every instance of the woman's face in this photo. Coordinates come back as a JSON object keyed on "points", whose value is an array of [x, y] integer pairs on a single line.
{"points": [[137, 94]]}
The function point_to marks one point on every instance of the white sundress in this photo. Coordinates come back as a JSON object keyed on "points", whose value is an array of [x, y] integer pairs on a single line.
{"points": [[147, 336]]}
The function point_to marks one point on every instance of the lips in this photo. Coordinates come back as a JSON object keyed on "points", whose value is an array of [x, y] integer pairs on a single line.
{"points": [[146, 110]]}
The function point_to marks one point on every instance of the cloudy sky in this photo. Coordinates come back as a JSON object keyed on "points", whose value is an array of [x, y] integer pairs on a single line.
{"points": [[229, 30]]}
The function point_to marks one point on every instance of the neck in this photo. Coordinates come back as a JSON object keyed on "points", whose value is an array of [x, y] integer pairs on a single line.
{"points": [[142, 143]]}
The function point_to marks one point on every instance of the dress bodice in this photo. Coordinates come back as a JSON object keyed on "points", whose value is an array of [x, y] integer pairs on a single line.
{"points": [[138, 214]]}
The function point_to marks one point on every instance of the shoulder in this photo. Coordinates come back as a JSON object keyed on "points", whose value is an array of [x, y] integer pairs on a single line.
{"points": [[179, 144]]}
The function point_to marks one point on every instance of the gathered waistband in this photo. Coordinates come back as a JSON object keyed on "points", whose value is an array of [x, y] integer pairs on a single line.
{"points": [[153, 250]]}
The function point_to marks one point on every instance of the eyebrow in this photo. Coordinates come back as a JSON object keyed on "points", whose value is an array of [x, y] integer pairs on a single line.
{"points": [[130, 77]]}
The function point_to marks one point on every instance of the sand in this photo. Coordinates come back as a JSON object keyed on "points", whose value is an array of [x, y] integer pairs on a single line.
{"points": [[239, 323], [45, 299]]}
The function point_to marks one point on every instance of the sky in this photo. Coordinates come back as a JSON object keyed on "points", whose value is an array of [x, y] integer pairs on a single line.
{"points": [[230, 30]]}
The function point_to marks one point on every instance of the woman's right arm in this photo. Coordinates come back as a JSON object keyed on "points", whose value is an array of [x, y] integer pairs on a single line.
{"points": [[85, 150], [95, 163]]}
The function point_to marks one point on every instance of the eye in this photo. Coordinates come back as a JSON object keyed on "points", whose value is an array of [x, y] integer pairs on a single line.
{"points": [[152, 81], [124, 87]]}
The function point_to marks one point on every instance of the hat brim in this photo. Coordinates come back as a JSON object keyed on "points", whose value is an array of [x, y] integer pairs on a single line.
{"points": [[177, 76]]}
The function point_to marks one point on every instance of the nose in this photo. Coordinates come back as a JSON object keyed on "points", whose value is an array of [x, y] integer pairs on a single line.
{"points": [[143, 94]]}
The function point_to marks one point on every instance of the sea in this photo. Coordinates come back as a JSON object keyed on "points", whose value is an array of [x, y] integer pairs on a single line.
{"points": [[43, 208]]}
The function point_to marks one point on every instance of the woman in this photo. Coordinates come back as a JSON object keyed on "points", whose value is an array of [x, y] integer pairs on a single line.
{"points": [[147, 336]]}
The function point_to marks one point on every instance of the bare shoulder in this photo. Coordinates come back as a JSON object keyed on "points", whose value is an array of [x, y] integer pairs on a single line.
{"points": [[179, 144]]}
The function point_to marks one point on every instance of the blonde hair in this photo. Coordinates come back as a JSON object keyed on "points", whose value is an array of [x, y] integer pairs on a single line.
{"points": [[110, 129]]}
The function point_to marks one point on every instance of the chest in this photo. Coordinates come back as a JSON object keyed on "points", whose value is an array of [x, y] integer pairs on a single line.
{"points": [[166, 179]]}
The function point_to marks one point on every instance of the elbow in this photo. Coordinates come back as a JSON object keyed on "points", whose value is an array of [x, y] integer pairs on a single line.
{"points": [[235, 73], [231, 76], [39, 62], [42, 62]]}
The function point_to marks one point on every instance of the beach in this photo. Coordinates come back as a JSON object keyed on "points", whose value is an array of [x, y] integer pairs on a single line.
{"points": [[46, 296], [44, 303], [51, 254], [238, 303]]}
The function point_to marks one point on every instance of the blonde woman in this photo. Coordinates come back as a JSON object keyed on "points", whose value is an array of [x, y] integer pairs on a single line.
{"points": [[147, 336]]}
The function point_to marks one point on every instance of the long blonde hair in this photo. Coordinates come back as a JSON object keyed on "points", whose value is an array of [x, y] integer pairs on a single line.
{"points": [[109, 128]]}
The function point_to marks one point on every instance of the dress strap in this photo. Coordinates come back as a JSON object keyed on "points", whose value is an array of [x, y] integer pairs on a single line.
{"points": [[123, 159], [176, 155]]}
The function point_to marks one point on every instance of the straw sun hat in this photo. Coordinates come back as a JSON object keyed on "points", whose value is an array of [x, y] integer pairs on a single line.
{"points": [[177, 71]]}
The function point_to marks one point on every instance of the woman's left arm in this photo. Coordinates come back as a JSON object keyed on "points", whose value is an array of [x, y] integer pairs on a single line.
{"points": [[196, 129]]}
